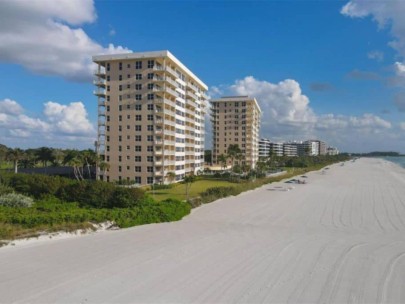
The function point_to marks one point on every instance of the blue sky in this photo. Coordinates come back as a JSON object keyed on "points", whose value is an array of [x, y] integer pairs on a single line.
{"points": [[333, 70]]}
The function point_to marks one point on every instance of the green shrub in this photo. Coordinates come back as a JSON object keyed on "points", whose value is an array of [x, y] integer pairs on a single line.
{"points": [[4, 189], [161, 186], [15, 200]]}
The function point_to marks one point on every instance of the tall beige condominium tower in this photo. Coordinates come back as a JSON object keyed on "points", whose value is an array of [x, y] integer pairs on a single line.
{"points": [[151, 117], [236, 120]]}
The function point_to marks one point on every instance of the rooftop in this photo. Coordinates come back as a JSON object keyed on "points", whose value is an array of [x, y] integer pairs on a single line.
{"points": [[237, 98], [146, 55]]}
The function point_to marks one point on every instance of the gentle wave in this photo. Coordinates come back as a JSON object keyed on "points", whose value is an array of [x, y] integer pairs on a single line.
{"points": [[400, 160]]}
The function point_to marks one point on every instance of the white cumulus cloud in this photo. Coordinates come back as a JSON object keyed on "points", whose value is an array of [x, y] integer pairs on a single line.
{"points": [[8, 106], [60, 125], [70, 119], [283, 104], [43, 36]]}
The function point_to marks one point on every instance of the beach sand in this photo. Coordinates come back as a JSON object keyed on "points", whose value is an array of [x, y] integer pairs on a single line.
{"points": [[339, 238]]}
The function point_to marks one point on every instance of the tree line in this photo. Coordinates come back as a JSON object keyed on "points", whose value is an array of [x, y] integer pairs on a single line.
{"points": [[79, 160]]}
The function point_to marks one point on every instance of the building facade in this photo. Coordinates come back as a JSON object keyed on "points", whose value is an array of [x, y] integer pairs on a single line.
{"points": [[277, 149], [151, 117], [290, 149], [236, 120], [264, 147]]}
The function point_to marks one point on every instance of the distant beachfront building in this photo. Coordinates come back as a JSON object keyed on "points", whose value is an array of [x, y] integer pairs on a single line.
{"points": [[236, 120], [310, 148], [264, 147], [276, 148], [151, 117], [290, 149], [332, 151], [322, 147]]}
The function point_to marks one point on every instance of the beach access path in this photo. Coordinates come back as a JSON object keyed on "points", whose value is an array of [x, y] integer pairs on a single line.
{"points": [[339, 238]]}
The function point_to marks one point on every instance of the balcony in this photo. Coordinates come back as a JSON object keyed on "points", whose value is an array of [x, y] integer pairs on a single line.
{"points": [[192, 95], [100, 73], [159, 142], [100, 92], [101, 103], [100, 83], [101, 122]]}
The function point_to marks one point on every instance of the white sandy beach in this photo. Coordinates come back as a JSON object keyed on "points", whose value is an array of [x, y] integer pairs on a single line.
{"points": [[340, 238]]}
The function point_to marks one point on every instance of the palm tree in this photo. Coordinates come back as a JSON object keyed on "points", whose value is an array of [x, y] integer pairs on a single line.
{"points": [[233, 151], [15, 155], [170, 176], [44, 154], [103, 166], [223, 160], [89, 158], [58, 155], [188, 180], [76, 163]]}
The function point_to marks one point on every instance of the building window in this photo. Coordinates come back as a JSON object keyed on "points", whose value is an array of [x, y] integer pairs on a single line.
{"points": [[138, 159], [120, 66], [151, 96], [138, 87], [120, 77], [150, 117], [150, 107], [138, 179], [138, 117], [119, 138], [150, 169], [138, 169], [119, 128], [120, 88], [108, 67], [128, 76], [150, 138], [150, 158], [138, 138], [138, 128], [151, 63], [119, 148], [128, 87], [150, 86], [138, 65], [150, 180], [150, 127], [150, 75], [119, 168], [128, 116], [138, 97], [119, 158], [138, 107], [138, 148], [120, 118], [138, 76], [150, 149]]}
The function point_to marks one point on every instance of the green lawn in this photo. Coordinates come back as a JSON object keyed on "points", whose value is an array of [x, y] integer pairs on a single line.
{"points": [[179, 190]]}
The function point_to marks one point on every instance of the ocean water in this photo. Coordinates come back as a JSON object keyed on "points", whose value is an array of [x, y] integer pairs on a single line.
{"points": [[400, 160]]}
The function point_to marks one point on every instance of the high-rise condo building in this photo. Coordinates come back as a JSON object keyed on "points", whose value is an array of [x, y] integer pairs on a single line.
{"points": [[151, 117], [236, 120]]}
